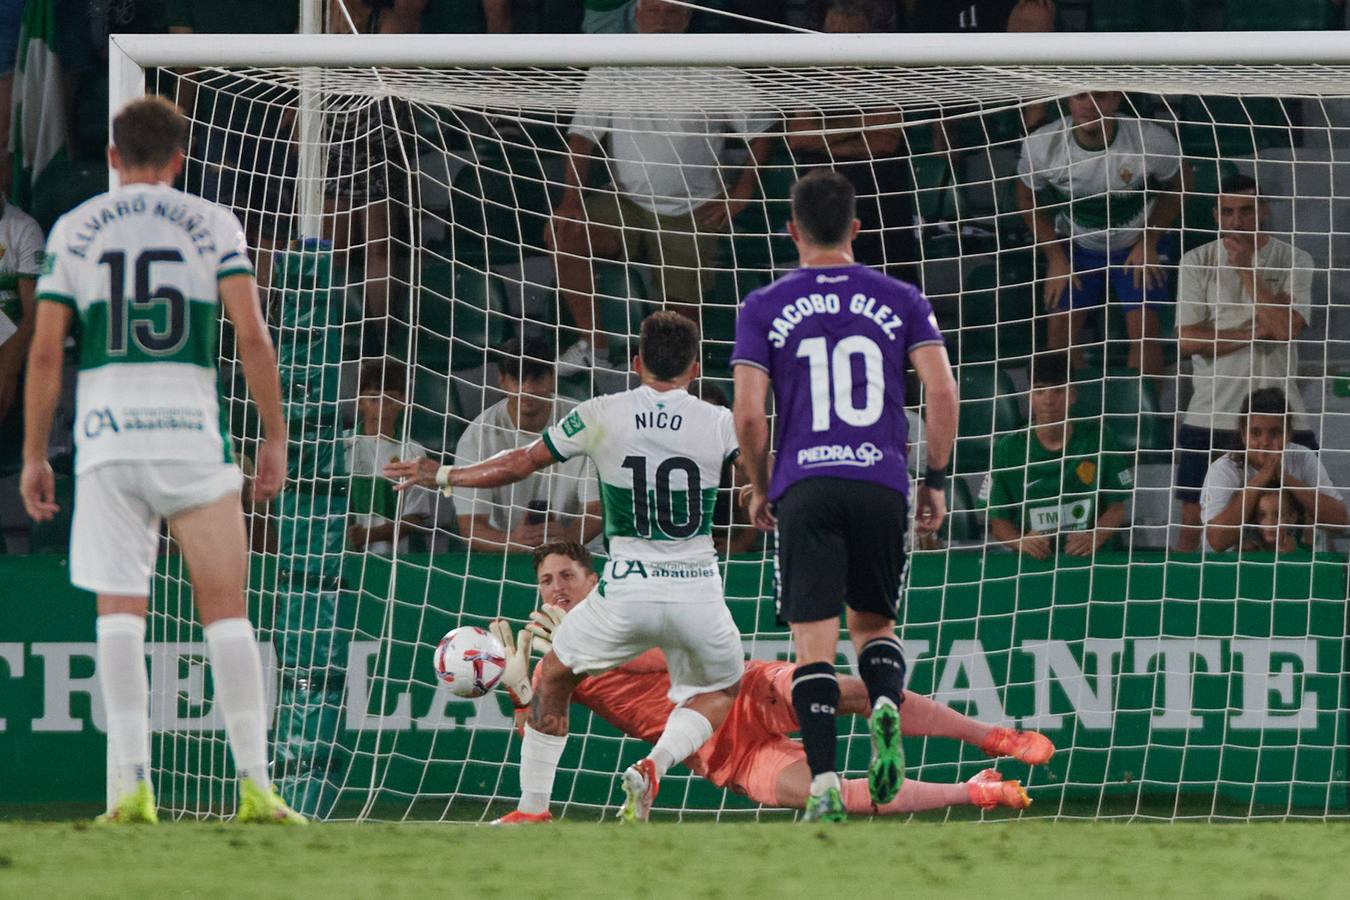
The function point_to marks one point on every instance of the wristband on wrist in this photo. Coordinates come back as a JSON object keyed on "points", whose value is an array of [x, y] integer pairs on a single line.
{"points": [[443, 480], [935, 478]]}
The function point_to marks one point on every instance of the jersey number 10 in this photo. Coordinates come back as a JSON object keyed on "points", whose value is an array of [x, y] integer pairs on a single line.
{"points": [[665, 497], [836, 369], [143, 302]]}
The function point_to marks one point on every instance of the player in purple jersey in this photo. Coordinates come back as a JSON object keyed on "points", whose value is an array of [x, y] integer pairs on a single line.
{"points": [[833, 339]]}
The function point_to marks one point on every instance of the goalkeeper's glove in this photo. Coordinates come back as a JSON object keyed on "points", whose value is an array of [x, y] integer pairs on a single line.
{"points": [[516, 675], [543, 624]]}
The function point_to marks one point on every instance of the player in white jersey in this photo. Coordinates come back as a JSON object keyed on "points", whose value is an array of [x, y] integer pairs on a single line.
{"points": [[659, 454], [144, 270]]}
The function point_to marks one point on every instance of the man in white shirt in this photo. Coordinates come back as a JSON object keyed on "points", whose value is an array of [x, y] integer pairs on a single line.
{"points": [[1099, 192], [1242, 300], [378, 513], [669, 204], [559, 503], [1266, 462], [20, 257]]}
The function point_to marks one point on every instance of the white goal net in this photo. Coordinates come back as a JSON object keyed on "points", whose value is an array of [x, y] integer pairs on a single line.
{"points": [[398, 198]]}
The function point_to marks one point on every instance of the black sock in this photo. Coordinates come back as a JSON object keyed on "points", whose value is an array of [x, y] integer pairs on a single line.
{"points": [[815, 697], [881, 665]]}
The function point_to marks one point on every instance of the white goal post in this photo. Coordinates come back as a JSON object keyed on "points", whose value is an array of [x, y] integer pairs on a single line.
{"points": [[1176, 685]]}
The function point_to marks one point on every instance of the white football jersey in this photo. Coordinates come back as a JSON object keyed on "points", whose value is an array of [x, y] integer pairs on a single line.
{"points": [[139, 265], [1104, 190], [659, 457]]}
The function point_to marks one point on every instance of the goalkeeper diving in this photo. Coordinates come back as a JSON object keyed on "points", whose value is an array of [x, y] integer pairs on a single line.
{"points": [[751, 753]]}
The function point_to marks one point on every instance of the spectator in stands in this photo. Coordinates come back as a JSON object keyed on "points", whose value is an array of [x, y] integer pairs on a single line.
{"points": [[1099, 192], [20, 257], [558, 503], [975, 16], [670, 203], [1265, 461], [375, 513], [11, 16], [1062, 484], [868, 150], [1242, 301]]}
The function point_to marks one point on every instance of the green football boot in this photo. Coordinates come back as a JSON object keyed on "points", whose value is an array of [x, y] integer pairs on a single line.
{"points": [[826, 807], [257, 806], [137, 807], [887, 771]]}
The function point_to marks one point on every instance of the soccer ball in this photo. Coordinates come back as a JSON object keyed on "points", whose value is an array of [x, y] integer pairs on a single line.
{"points": [[470, 660]]}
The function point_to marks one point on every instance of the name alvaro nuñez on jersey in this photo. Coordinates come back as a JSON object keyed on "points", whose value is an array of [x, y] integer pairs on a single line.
{"points": [[830, 304], [177, 214]]}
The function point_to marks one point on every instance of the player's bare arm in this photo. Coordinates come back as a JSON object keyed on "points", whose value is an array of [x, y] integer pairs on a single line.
{"points": [[504, 468], [239, 297], [37, 484], [941, 400], [752, 430]]}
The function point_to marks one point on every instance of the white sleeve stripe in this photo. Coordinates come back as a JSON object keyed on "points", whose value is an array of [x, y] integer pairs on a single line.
{"points": [[750, 362]]}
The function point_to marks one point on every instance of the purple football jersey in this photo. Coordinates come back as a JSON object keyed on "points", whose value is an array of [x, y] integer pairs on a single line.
{"points": [[835, 342]]}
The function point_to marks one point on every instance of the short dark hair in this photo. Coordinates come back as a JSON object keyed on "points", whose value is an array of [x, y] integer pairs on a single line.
{"points": [[1237, 183], [570, 549], [1266, 401], [531, 357], [1050, 369], [824, 206], [148, 131], [709, 392], [668, 344], [383, 375]]}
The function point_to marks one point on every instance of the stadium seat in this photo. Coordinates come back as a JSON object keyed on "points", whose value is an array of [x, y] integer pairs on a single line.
{"points": [[995, 313], [1141, 15], [934, 183], [64, 185], [436, 415], [1278, 15], [499, 206], [1128, 405], [963, 521], [1232, 126], [623, 305], [460, 314], [989, 410]]}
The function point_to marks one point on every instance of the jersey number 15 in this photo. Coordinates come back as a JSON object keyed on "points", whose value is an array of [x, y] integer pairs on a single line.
{"points": [[144, 300]]}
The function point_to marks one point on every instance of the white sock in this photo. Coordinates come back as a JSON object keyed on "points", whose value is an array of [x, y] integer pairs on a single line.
{"points": [[126, 693], [686, 731], [823, 782], [236, 669], [539, 755]]}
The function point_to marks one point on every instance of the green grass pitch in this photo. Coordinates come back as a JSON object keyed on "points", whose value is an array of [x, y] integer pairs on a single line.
{"points": [[727, 860]]}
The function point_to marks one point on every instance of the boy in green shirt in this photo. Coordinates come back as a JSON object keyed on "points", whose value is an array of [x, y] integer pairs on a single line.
{"points": [[1059, 476]]}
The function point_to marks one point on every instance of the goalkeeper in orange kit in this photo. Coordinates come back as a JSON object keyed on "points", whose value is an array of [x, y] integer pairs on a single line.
{"points": [[751, 752]]}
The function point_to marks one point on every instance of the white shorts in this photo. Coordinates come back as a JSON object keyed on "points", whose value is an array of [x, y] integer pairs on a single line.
{"points": [[626, 615], [118, 509]]}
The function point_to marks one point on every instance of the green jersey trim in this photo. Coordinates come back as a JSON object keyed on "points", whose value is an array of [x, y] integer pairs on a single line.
{"points": [[548, 442], [53, 297], [235, 270]]}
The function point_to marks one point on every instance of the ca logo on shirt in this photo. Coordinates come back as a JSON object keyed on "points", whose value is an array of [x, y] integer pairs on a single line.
{"points": [[1086, 471]]}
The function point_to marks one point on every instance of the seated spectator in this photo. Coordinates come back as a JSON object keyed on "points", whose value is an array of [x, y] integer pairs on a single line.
{"points": [[979, 16], [1265, 461], [1281, 525], [1242, 300], [1099, 192], [669, 204], [869, 150], [375, 513], [561, 502], [1061, 485], [20, 257]]}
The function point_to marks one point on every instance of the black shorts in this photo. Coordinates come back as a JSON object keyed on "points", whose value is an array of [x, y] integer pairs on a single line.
{"points": [[839, 541]]}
